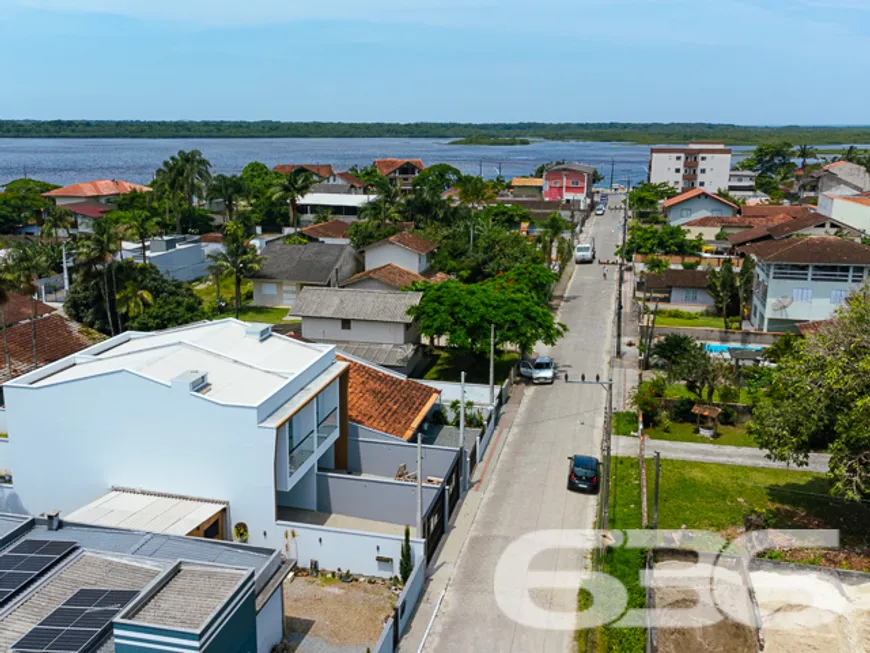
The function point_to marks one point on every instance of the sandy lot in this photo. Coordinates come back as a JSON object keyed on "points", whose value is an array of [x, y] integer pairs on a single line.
{"points": [[340, 615]]}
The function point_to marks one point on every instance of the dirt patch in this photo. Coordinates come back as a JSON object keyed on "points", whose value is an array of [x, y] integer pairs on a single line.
{"points": [[339, 614]]}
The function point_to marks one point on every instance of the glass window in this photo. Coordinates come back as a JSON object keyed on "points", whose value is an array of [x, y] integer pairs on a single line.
{"points": [[789, 271], [678, 157], [703, 158], [556, 184], [575, 182], [701, 183], [691, 295], [703, 170], [269, 288], [685, 213], [831, 272], [802, 294], [838, 296], [345, 325], [858, 272]]}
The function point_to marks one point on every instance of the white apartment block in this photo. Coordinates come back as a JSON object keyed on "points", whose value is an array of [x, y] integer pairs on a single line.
{"points": [[699, 165]]}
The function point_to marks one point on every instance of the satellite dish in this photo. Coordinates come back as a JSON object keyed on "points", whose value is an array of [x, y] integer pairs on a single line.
{"points": [[782, 303]]}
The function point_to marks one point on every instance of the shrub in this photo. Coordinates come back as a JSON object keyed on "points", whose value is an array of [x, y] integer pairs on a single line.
{"points": [[655, 265], [644, 400], [728, 394], [677, 313], [406, 564], [658, 386], [691, 265], [681, 411], [665, 424], [728, 416]]}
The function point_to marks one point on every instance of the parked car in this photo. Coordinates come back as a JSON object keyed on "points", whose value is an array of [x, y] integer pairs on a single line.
{"points": [[583, 473], [599, 210], [539, 370], [584, 252]]}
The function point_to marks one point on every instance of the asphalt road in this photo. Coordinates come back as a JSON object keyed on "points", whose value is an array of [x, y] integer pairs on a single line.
{"points": [[527, 490]]}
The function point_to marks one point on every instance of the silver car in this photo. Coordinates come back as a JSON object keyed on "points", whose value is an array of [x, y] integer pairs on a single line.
{"points": [[539, 370]]}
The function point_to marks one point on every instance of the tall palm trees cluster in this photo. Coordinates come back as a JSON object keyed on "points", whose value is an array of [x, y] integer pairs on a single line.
{"points": [[182, 181]]}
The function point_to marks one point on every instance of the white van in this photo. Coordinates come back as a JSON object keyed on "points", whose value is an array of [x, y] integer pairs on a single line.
{"points": [[584, 252]]}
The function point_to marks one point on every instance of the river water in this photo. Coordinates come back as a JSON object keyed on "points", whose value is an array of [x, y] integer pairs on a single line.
{"points": [[68, 161]]}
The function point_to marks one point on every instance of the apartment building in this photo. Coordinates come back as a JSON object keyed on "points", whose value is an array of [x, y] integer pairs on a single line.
{"points": [[698, 165]]}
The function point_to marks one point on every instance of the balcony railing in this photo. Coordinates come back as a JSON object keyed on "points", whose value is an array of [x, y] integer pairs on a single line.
{"points": [[327, 426], [301, 452]]}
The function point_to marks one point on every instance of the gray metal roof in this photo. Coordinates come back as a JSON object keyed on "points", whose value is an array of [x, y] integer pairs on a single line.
{"points": [[87, 570], [12, 526], [311, 263], [579, 167], [379, 354], [353, 304]]}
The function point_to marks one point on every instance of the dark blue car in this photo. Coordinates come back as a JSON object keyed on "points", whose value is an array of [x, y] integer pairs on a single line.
{"points": [[583, 474]]}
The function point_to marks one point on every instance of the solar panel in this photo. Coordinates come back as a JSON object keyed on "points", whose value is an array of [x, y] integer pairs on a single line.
{"points": [[82, 620], [26, 561]]}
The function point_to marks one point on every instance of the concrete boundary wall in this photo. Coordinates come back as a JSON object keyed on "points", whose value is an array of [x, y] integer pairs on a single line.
{"points": [[383, 500], [352, 550], [719, 335], [405, 608], [383, 458]]}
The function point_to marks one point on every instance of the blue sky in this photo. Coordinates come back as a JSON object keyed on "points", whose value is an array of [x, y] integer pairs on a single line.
{"points": [[746, 62]]}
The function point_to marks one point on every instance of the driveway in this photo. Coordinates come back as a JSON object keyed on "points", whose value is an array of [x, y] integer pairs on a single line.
{"points": [[525, 485], [712, 453]]}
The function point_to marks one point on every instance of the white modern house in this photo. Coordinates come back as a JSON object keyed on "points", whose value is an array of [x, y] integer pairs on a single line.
{"points": [[403, 249], [695, 204], [343, 206], [177, 257], [803, 279], [699, 165], [250, 428]]}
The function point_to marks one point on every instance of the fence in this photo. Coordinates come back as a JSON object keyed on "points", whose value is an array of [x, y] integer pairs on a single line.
{"points": [[487, 436], [395, 627]]}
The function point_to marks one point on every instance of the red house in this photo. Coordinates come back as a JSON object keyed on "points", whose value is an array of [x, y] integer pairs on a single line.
{"points": [[569, 181]]}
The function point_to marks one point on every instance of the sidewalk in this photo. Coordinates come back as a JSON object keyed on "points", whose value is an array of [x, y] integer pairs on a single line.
{"points": [[712, 453], [625, 377], [441, 568]]}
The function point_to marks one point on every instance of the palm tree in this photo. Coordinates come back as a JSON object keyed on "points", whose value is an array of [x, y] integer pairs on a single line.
{"points": [[95, 252], [289, 188], [27, 265], [851, 154], [230, 189], [186, 175], [140, 225], [132, 300], [475, 191], [804, 152], [57, 219], [5, 289], [238, 258]]}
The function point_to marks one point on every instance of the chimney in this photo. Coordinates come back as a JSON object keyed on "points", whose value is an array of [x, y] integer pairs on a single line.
{"points": [[53, 521]]}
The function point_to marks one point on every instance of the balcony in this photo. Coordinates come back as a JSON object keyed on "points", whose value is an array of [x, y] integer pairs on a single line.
{"points": [[690, 177], [691, 164], [301, 451], [327, 426]]}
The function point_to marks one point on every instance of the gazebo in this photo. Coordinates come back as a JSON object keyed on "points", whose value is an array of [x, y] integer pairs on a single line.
{"points": [[708, 419]]}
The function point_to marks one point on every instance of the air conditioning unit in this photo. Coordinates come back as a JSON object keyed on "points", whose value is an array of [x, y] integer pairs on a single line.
{"points": [[259, 331]]}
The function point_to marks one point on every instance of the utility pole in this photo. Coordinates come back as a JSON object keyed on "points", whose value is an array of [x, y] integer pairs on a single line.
{"points": [[622, 273], [462, 419], [492, 364], [481, 168], [612, 167], [655, 521]]}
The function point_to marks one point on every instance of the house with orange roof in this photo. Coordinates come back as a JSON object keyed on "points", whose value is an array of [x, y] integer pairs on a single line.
{"points": [[694, 204], [403, 249], [91, 200], [402, 169]]}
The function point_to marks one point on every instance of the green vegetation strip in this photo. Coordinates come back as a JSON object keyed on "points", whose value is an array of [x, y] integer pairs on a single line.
{"points": [[490, 140], [734, 436], [646, 133], [448, 364], [701, 321]]}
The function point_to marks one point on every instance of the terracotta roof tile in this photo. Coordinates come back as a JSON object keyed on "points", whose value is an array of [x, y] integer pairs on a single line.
{"points": [[408, 241], [330, 229], [736, 221], [322, 170], [351, 179], [386, 166], [101, 188], [766, 210], [18, 308], [779, 229], [695, 192], [56, 337], [858, 199], [390, 274], [527, 181], [825, 250], [748, 235], [807, 328], [90, 209], [386, 402], [678, 279], [213, 237]]}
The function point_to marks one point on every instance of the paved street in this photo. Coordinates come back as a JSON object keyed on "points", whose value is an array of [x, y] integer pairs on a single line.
{"points": [[712, 453], [524, 488]]}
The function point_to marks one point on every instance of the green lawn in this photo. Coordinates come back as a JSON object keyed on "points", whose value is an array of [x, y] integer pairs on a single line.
{"points": [[706, 321], [734, 436], [265, 314], [625, 422], [205, 289], [448, 364], [678, 391]]}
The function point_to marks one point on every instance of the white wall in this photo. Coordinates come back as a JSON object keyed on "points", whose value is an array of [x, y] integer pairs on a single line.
{"points": [[394, 333], [121, 429], [270, 622], [691, 296], [389, 253], [849, 213], [280, 293], [353, 550], [697, 207]]}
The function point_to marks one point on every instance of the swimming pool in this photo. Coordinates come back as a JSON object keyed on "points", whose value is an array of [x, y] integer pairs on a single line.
{"points": [[723, 349]]}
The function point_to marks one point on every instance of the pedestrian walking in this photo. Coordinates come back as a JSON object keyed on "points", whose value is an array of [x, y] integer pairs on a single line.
{"points": [[604, 273]]}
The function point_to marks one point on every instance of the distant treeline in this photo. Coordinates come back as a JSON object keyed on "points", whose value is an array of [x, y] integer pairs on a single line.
{"points": [[644, 133]]}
